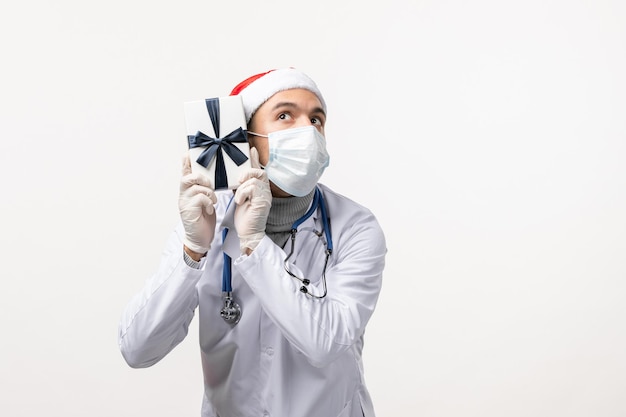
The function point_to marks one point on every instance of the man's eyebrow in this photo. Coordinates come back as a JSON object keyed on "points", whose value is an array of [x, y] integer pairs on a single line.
{"points": [[283, 104], [319, 110], [294, 106]]}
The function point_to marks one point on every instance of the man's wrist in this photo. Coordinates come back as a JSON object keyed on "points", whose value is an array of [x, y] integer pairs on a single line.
{"points": [[193, 255]]}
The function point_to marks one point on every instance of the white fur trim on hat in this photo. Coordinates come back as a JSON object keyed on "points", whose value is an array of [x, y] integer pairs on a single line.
{"points": [[261, 89]]}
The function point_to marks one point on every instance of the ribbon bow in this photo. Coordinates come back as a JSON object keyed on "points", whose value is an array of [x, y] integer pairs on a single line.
{"points": [[216, 146]]}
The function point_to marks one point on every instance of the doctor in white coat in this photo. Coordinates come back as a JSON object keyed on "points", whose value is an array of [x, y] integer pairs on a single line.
{"points": [[284, 273]]}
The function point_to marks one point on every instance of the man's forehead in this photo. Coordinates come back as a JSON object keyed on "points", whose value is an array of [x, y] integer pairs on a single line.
{"points": [[295, 98]]}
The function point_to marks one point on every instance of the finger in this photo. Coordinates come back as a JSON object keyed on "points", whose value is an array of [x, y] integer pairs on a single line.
{"points": [[196, 179], [186, 165], [244, 192], [196, 189], [254, 158], [208, 206], [257, 174], [203, 202]]}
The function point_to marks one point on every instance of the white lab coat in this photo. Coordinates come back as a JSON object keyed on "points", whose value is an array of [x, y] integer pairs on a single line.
{"points": [[290, 355]]}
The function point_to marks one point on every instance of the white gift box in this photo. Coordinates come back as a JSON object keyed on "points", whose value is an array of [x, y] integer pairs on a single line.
{"points": [[216, 133]]}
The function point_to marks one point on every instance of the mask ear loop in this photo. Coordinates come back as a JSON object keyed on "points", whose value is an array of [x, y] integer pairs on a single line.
{"points": [[249, 132]]}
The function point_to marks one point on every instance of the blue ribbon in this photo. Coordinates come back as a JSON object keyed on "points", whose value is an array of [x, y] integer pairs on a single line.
{"points": [[215, 147]]}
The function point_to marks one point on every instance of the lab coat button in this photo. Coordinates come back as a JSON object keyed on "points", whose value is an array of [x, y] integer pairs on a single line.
{"points": [[269, 351]]}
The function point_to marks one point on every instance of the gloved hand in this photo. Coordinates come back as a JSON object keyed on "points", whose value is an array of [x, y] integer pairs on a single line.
{"points": [[196, 204], [254, 199]]}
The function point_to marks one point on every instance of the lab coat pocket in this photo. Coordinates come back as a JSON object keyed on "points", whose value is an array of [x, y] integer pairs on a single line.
{"points": [[346, 412], [352, 408]]}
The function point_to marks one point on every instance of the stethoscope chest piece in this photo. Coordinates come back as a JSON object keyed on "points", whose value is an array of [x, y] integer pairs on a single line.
{"points": [[231, 312]]}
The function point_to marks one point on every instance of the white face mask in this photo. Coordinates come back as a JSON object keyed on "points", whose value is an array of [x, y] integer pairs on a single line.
{"points": [[297, 159]]}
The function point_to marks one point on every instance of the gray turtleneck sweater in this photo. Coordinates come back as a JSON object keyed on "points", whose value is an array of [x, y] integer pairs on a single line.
{"points": [[283, 213]]}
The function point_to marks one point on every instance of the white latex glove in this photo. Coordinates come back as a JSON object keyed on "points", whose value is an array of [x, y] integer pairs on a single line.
{"points": [[197, 211], [254, 199]]}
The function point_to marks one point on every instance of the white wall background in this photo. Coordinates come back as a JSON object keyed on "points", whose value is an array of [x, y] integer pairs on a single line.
{"points": [[489, 137]]}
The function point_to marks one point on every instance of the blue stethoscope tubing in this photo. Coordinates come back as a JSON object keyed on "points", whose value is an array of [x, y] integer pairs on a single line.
{"points": [[318, 202], [227, 289]]}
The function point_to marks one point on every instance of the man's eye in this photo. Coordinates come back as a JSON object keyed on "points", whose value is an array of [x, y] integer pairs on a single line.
{"points": [[283, 116], [317, 121]]}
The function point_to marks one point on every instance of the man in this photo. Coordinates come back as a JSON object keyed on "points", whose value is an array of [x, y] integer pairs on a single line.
{"points": [[294, 312]]}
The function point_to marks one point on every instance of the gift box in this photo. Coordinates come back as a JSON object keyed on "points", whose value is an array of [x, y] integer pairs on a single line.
{"points": [[217, 139]]}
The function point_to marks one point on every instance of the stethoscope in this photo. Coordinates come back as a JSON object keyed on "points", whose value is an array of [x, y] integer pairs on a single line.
{"points": [[231, 311]]}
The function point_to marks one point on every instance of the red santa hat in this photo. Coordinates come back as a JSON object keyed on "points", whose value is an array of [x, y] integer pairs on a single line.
{"points": [[256, 90]]}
